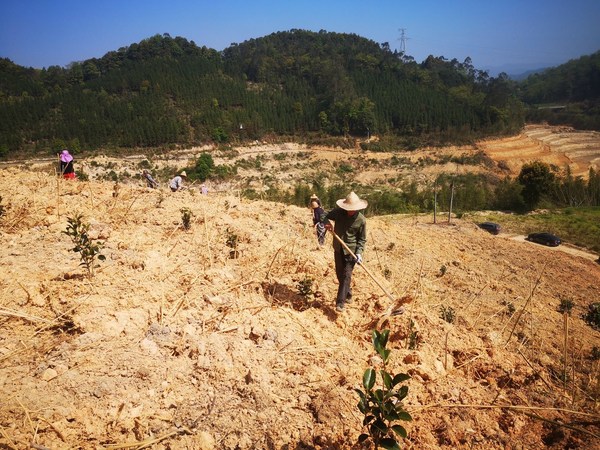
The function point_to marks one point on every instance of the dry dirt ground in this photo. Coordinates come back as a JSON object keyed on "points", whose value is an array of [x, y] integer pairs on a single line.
{"points": [[179, 341], [174, 344]]}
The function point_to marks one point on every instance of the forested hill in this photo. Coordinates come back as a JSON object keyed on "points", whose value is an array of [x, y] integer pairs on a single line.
{"points": [[567, 94], [299, 84]]}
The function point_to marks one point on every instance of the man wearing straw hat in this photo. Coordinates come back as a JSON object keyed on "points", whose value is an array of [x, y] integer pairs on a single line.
{"points": [[176, 184], [351, 227]]}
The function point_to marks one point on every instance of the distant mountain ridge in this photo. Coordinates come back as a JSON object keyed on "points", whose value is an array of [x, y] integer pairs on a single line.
{"points": [[524, 75]]}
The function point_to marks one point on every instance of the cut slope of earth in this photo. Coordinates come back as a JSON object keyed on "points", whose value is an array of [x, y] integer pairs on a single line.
{"points": [[560, 146], [284, 165], [177, 342]]}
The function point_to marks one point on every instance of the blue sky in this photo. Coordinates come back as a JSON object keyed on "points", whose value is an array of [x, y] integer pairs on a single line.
{"points": [[510, 35]]}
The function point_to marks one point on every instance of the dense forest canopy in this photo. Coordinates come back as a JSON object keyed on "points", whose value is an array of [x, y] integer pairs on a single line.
{"points": [[568, 94], [167, 91]]}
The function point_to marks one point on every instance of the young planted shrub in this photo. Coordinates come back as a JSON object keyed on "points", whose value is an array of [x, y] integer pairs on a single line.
{"points": [[232, 239], [305, 289], [186, 218], [382, 406], [232, 242], [592, 317], [566, 305], [447, 313], [88, 250]]}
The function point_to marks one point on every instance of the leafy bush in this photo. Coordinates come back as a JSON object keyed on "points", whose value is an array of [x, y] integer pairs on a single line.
{"points": [[382, 407], [88, 250], [203, 168], [81, 175]]}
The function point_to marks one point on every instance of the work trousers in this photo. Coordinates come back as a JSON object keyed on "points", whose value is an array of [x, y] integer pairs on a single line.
{"points": [[321, 231], [344, 264]]}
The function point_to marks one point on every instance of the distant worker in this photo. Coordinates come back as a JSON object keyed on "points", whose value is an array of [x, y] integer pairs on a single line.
{"points": [[317, 213], [351, 227], [151, 182], [66, 165], [176, 184], [203, 189]]}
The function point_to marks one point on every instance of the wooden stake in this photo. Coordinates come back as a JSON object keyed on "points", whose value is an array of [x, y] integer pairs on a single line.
{"points": [[537, 282], [446, 352], [58, 193], [566, 338], [451, 201], [434, 203]]}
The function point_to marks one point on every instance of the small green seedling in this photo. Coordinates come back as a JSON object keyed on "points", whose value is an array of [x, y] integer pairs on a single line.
{"points": [[232, 239], [232, 242], [566, 305], [592, 317], [305, 289], [88, 250], [447, 313], [382, 407], [387, 273], [186, 218], [443, 270], [413, 335]]}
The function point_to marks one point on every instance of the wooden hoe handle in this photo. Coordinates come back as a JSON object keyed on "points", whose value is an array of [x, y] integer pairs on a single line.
{"points": [[363, 266]]}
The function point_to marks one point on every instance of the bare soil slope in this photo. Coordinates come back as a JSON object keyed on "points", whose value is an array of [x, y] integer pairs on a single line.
{"points": [[560, 146], [175, 344]]}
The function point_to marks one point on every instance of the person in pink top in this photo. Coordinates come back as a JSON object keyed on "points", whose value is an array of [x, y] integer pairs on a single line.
{"points": [[66, 165]]}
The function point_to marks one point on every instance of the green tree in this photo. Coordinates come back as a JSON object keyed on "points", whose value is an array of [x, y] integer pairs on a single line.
{"points": [[508, 196], [536, 179], [203, 168]]}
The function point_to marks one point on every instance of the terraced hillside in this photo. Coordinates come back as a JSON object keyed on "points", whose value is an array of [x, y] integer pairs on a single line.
{"points": [[579, 150]]}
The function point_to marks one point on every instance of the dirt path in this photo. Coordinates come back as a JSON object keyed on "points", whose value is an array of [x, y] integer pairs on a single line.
{"points": [[562, 248]]}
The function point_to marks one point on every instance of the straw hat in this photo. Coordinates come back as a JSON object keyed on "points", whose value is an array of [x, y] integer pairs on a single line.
{"points": [[314, 197], [183, 174], [352, 203]]}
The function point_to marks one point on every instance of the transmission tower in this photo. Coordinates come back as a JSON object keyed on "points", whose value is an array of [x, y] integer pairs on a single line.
{"points": [[403, 39]]}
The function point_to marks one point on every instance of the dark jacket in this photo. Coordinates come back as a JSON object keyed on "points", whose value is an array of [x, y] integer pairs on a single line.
{"points": [[317, 213], [351, 229]]}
